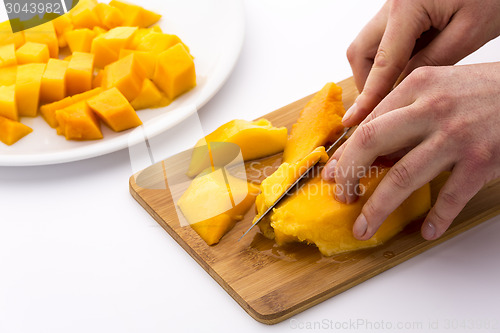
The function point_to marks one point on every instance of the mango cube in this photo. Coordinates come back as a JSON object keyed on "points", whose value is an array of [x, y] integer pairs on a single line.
{"points": [[135, 16], [148, 97], [114, 109], [83, 16], [53, 87], [157, 42], [125, 74], [175, 72], [62, 24], [8, 37], [109, 16], [11, 131], [48, 111], [79, 40], [78, 122], [8, 75], [44, 34], [146, 59], [79, 73], [8, 106], [107, 46], [28, 81], [7, 55], [32, 53]]}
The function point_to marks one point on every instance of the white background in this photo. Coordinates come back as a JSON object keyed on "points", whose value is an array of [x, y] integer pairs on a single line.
{"points": [[78, 254]]}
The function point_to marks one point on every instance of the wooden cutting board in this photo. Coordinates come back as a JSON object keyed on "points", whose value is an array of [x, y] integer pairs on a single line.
{"points": [[273, 283]]}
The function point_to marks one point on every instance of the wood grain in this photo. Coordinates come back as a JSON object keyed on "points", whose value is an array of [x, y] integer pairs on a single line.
{"points": [[273, 283]]}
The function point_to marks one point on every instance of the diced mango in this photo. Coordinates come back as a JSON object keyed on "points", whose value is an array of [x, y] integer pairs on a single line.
{"points": [[148, 97], [8, 75], [146, 59], [11, 131], [97, 81], [83, 16], [28, 81], [99, 31], [79, 40], [8, 106], [109, 16], [107, 46], [135, 16], [53, 87], [62, 24], [44, 34], [157, 42], [125, 74], [8, 37], [78, 122], [7, 55], [48, 111], [79, 73], [32, 53], [175, 72], [114, 109]]}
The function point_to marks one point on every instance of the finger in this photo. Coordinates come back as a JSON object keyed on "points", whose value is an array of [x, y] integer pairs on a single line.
{"points": [[414, 170], [405, 24], [328, 172], [363, 49], [405, 127], [463, 183]]}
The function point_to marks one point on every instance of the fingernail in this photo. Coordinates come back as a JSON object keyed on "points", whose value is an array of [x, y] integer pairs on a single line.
{"points": [[339, 193], [350, 112], [429, 231], [328, 172], [360, 226]]}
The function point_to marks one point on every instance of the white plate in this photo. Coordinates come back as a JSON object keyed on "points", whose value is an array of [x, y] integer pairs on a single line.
{"points": [[214, 32]]}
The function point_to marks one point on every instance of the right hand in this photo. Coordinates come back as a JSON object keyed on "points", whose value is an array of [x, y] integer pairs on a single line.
{"points": [[406, 34]]}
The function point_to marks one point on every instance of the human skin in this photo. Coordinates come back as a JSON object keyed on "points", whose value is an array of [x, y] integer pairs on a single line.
{"points": [[436, 119]]}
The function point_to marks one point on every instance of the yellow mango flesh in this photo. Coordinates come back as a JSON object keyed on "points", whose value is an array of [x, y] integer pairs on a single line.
{"points": [[212, 206], [83, 16], [125, 74], [8, 55], [107, 46], [255, 139], [319, 123], [79, 73], [8, 106], [149, 97], [8, 75], [79, 40], [11, 131], [312, 215], [8, 37], [44, 34], [157, 42], [147, 60], [175, 73], [78, 122], [28, 81], [32, 53], [115, 110], [135, 16], [48, 111], [109, 16], [53, 86]]}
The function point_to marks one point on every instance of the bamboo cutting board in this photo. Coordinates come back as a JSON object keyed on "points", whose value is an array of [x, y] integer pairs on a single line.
{"points": [[273, 283]]}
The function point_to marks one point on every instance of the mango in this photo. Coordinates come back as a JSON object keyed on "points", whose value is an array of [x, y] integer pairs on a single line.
{"points": [[28, 81], [135, 16], [12, 131], [79, 40], [146, 59], [125, 74], [7, 55], [8, 37], [175, 73], [78, 122], [157, 42], [53, 86], [48, 111], [8, 106], [97, 81], [83, 15], [62, 24], [44, 34], [212, 206], [79, 73], [107, 46], [32, 53], [8, 75], [109, 16], [255, 139], [114, 110], [148, 97], [319, 123]]}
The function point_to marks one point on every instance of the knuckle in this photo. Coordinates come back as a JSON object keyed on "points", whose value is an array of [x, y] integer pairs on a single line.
{"points": [[400, 176], [351, 53], [450, 199], [367, 136], [372, 212], [421, 75], [439, 219]]}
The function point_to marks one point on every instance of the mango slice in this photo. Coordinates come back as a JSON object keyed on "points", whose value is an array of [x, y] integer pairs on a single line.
{"points": [[11, 131], [148, 97], [107, 46], [109, 16], [8, 37], [146, 59], [79, 40], [83, 16], [8, 106], [125, 74], [157, 42], [256, 139], [114, 109], [44, 34], [319, 123], [53, 86], [175, 73], [78, 122], [8, 55], [28, 81], [135, 16], [212, 206], [32, 53], [8, 75], [79, 73]]}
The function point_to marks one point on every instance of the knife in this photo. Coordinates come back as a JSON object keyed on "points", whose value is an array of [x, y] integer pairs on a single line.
{"points": [[300, 181]]}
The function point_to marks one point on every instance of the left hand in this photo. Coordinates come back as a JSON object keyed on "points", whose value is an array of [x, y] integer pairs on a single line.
{"points": [[439, 118]]}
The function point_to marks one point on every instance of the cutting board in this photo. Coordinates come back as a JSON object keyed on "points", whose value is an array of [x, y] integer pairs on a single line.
{"points": [[273, 283]]}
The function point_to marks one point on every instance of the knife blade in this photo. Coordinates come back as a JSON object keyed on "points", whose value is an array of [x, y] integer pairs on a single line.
{"points": [[299, 182]]}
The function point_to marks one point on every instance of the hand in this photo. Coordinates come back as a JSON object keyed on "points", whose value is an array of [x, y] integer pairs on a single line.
{"points": [[407, 34], [439, 118]]}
